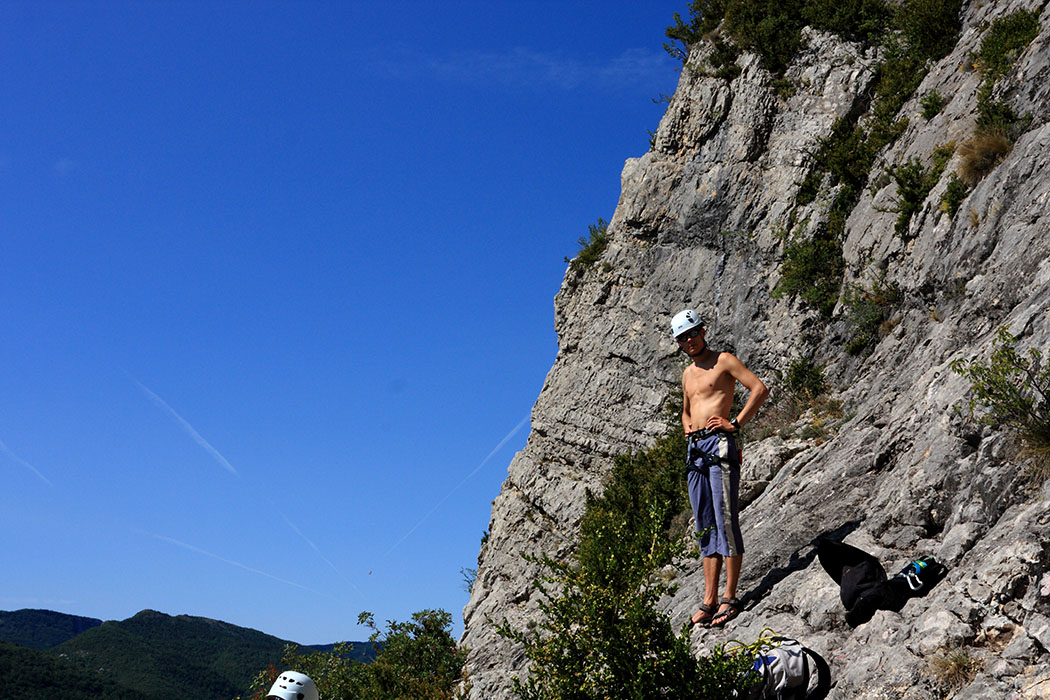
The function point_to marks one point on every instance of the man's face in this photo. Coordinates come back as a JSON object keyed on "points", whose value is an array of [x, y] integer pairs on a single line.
{"points": [[692, 341]]}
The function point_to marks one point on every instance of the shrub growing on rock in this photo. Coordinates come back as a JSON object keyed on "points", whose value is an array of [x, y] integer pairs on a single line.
{"points": [[932, 103], [600, 635], [1014, 388], [1006, 38], [997, 125], [953, 196], [812, 271], [591, 247], [869, 312], [914, 182], [804, 379]]}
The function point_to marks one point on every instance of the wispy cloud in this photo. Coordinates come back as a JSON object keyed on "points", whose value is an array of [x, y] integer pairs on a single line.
{"points": [[7, 451], [231, 562], [524, 67], [514, 431], [188, 428]]}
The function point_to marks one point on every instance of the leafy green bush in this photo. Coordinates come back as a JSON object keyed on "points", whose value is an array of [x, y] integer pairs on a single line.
{"points": [[1014, 387], [868, 313], [1003, 43], [416, 660], [769, 28], [704, 18], [914, 182], [804, 379], [858, 20], [932, 103], [591, 247], [773, 28], [812, 271], [998, 118], [723, 59], [600, 635], [953, 196], [930, 27]]}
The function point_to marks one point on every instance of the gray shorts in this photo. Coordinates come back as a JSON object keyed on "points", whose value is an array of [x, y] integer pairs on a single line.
{"points": [[714, 487]]}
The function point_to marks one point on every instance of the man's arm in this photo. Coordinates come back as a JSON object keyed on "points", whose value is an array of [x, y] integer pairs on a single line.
{"points": [[687, 420], [754, 385], [758, 390]]}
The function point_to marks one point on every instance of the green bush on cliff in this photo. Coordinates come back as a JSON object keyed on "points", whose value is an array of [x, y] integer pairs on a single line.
{"points": [[805, 380], [416, 660], [1014, 389], [1003, 43], [914, 182], [773, 28], [591, 247], [932, 103], [953, 196], [812, 271], [997, 125], [600, 635], [868, 312]]}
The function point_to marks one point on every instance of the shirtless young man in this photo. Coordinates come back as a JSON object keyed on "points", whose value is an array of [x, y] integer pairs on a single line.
{"points": [[714, 459]]}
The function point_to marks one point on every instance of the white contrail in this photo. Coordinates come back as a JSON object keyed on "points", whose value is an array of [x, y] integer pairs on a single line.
{"points": [[7, 451], [462, 481], [225, 463], [231, 562], [188, 428], [310, 542]]}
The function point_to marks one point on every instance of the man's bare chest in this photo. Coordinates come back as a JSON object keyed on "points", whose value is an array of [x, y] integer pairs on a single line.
{"points": [[701, 383]]}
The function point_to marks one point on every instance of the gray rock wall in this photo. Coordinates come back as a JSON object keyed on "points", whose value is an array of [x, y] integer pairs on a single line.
{"points": [[906, 474]]}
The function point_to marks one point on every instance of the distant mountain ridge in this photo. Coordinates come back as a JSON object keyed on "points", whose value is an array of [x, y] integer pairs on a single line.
{"points": [[151, 655], [42, 629]]}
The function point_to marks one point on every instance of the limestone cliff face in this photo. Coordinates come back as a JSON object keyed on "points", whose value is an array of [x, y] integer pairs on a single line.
{"points": [[697, 225]]}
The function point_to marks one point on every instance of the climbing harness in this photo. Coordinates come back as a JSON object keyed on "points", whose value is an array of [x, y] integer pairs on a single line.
{"points": [[694, 453]]}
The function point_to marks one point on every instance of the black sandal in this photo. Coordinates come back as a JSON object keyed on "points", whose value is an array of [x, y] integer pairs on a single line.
{"points": [[703, 621], [724, 616]]}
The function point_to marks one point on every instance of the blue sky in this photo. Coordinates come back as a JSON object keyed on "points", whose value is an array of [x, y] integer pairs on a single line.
{"points": [[276, 285]]}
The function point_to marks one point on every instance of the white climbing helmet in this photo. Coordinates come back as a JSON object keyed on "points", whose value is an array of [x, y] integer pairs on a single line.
{"points": [[684, 321], [292, 685]]}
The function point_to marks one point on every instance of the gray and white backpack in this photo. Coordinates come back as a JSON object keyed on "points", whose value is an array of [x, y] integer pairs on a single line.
{"points": [[787, 670]]}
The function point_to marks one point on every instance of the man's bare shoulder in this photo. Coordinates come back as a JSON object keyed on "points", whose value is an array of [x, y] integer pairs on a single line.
{"points": [[728, 359]]}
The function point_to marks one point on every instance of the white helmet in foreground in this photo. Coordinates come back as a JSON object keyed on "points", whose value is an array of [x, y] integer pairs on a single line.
{"points": [[685, 321], [292, 685]]}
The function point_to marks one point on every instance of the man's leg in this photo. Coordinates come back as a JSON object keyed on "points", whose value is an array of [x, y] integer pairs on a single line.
{"points": [[732, 574], [712, 572], [700, 498]]}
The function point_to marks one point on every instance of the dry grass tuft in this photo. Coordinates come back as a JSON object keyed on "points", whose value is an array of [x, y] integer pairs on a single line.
{"points": [[1039, 462], [954, 668], [981, 154]]}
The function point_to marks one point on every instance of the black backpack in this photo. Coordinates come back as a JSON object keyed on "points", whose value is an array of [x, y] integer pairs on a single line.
{"points": [[863, 585]]}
